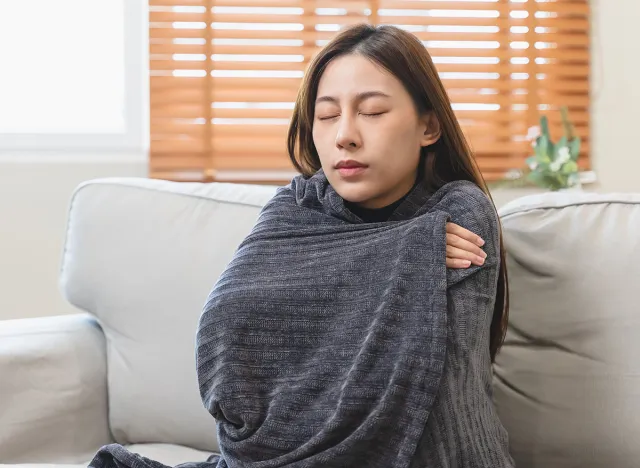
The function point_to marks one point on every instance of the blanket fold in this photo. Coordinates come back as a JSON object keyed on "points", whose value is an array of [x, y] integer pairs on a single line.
{"points": [[324, 342]]}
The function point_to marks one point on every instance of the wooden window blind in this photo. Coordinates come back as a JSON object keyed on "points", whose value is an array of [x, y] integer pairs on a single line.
{"points": [[225, 73]]}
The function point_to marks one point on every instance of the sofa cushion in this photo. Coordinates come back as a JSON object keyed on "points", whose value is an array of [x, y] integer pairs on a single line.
{"points": [[567, 382], [142, 256]]}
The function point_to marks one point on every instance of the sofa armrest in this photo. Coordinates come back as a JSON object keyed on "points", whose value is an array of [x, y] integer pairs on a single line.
{"points": [[53, 390]]}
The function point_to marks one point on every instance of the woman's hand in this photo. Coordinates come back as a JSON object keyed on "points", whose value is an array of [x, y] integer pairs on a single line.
{"points": [[463, 247]]}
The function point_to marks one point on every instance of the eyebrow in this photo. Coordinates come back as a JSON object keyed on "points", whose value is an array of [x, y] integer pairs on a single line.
{"points": [[359, 97]]}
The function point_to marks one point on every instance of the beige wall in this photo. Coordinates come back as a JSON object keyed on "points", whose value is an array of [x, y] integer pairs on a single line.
{"points": [[616, 93], [34, 195], [33, 210]]}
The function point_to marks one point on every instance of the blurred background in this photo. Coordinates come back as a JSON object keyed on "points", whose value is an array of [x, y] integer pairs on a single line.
{"points": [[201, 91]]}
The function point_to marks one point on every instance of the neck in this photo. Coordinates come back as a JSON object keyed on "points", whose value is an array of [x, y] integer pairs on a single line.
{"points": [[379, 213], [390, 198]]}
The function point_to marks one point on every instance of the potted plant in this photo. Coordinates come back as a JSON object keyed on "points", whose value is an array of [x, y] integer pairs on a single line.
{"points": [[554, 165]]}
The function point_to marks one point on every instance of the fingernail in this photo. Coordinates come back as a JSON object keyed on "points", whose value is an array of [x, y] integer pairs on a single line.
{"points": [[481, 260], [484, 254], [466, 263], [480, 242]]}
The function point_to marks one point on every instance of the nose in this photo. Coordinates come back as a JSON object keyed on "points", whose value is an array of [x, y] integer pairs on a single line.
{"points": [[348, 136]]}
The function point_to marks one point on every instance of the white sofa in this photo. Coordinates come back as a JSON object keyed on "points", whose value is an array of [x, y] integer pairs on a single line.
{"points": [[142, 255]]}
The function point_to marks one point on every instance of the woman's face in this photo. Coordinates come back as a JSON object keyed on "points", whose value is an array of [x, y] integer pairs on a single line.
{"points": [[367, 132]]}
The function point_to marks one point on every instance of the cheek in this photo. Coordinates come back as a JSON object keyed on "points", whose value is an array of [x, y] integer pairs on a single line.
{"points": [[413, 135], [400, 137], [315, 134], [408, 131], [321, 141]]}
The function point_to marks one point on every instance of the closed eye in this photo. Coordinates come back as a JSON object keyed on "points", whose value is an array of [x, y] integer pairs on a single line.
{"points": [[370, 114]]}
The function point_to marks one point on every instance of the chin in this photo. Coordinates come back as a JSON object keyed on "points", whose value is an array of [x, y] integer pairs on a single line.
{"points": [[352, 192]]}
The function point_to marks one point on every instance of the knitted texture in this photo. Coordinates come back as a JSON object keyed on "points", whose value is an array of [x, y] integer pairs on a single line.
{"points": [[329, 342]]}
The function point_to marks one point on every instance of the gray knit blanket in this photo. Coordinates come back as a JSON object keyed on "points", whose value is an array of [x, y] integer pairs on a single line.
{"points": [[330, 342]]}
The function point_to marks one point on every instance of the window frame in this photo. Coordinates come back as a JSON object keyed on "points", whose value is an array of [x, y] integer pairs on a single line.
{"points": [[135, 138]]}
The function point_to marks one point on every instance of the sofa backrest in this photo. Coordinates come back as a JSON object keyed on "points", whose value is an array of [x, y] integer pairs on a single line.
{"points": [[567, 382], [142, 256]]}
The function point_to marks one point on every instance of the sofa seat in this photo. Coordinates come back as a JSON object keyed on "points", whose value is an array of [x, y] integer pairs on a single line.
{"points": [[168, 454]]}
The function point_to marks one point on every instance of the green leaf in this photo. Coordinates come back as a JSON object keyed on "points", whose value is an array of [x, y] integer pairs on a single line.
{"points": [[537, 178], [569, 167], [544, 127], [566, 123], [551, 150], [558, 181], [561, 143], [542, 147], [531, 160], [574, 148]]}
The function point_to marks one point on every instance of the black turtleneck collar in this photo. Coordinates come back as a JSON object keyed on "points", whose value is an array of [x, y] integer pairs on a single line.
{"points": [[375, 215], [316, 192]]}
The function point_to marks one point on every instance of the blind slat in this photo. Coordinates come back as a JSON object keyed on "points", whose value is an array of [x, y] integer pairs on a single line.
{"points": [[177, 3], [167, 128], [245, 161], [257, 63]]}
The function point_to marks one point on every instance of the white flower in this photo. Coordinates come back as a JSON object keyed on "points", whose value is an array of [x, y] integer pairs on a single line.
{"points": [[533, 133], [555, 166], [513, 174], [533, 165], [563, 155]]}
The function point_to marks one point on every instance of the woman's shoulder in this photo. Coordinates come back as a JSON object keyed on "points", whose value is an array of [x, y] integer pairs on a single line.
{"points": [[470, 207], [465, 196], [463, 188]]}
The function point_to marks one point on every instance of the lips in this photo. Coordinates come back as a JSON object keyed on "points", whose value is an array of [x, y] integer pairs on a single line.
{"points": [[349, 164], [350, 168]]}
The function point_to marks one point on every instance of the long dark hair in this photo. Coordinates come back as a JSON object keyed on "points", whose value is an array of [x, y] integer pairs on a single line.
{"points": [[449, 159]]}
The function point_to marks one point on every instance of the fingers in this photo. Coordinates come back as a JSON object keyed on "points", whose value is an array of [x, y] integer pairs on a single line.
{"points": [[457, 263], [465, 245], [460, 254], [465, 234]]}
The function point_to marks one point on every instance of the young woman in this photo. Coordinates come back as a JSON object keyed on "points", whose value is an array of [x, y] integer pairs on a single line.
{"points": [[337, 336], [375, 117]]}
